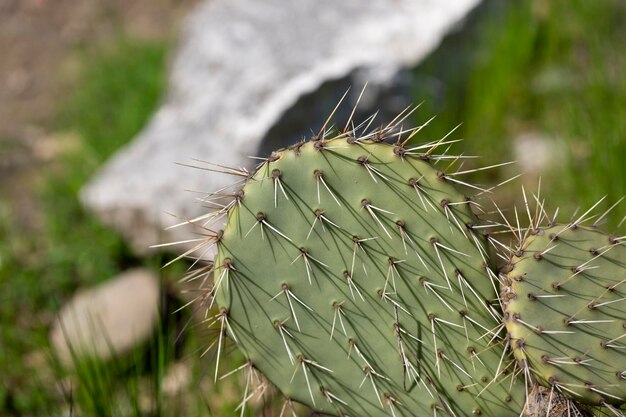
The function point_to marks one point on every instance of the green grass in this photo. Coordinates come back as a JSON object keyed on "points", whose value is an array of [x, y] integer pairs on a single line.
{"points": [[119, 87], [554, 67], [132, 384]]}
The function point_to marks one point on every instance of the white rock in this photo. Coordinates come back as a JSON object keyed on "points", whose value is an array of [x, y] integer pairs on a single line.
{"points": [[240, 65], [109, 319]]}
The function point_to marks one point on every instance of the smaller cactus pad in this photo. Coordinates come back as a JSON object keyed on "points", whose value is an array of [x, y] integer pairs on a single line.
{"points": [[565, 311]]}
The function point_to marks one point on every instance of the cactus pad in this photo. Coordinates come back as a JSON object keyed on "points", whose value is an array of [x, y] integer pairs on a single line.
{"points": [[566, 311], [349, 274]]}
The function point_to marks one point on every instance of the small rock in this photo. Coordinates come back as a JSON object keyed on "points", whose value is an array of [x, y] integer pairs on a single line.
{"points": [[537, 153], [109, 319], [176, 379]]}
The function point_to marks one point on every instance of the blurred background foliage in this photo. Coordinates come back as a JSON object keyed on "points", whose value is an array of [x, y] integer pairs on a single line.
{"points": [[556, 69], [550, 69]]}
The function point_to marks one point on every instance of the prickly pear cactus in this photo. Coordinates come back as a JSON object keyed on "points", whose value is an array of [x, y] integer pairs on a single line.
{"points": [[565, 311], [350, 274]]}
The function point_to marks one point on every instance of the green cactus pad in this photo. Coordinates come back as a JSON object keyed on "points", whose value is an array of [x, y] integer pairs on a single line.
{"points": [[350, 276], [565, 311]]}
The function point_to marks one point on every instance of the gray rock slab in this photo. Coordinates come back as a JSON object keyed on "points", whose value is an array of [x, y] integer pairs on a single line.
{"points": [[109, 319], [239, 66]]}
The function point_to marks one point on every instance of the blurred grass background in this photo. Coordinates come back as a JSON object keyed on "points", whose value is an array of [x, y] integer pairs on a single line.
{"points": [[551, 68], [554, 68], [116, 91]]}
